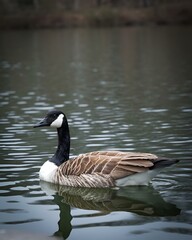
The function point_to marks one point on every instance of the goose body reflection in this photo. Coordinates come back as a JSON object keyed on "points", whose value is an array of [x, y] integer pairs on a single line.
{"points": [[98, 169], [141, 200]]}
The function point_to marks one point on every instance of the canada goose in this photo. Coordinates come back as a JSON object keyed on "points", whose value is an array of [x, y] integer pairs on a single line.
{"points": [[96, 169]]}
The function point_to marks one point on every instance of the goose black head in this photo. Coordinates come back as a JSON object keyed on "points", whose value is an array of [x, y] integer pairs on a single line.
{"points": [[54, 118]]}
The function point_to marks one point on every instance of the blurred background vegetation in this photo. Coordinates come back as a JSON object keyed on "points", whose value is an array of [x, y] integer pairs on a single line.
{"points": [[16, 14]]}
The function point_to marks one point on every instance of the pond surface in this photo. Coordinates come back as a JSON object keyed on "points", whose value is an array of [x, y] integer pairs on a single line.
{"points": [[126, 89]]}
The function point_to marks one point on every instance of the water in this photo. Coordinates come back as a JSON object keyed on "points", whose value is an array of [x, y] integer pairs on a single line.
{"points": [[126, 89]]}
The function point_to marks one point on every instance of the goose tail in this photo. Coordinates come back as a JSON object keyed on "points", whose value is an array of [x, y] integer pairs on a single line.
{"points": [[163, 162]]}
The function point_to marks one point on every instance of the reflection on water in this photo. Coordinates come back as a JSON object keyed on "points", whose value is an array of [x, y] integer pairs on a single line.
{"points": [[126, 89], [140, 200]]}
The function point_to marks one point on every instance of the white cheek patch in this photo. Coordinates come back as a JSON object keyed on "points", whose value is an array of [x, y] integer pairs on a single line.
{"points": [[58, 121]]}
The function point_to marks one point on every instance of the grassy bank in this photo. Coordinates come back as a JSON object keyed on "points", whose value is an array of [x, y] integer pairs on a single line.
{"points": [[97, 17]]}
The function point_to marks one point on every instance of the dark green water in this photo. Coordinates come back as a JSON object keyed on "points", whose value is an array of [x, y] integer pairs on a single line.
{"points": [[127, 89]]}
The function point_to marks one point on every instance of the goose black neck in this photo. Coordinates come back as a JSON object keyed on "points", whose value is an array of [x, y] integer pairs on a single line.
{"points": [[62, 153]]}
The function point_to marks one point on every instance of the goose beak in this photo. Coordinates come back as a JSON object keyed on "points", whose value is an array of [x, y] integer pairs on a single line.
{"points": [[42, 123]]}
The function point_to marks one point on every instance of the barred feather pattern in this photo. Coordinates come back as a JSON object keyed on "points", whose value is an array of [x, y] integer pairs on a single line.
{"points": [[102, 168]]}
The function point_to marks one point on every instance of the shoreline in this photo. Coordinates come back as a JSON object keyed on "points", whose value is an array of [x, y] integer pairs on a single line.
{"points": [[97, 17]]}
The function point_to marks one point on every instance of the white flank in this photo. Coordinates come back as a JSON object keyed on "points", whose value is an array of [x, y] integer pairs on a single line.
{"points": [[137, 179], [47, 171], [58, 121]]}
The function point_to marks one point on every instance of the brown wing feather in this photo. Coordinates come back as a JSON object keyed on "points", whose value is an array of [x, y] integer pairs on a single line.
{"points": [[136, 155], [113, 163]]}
